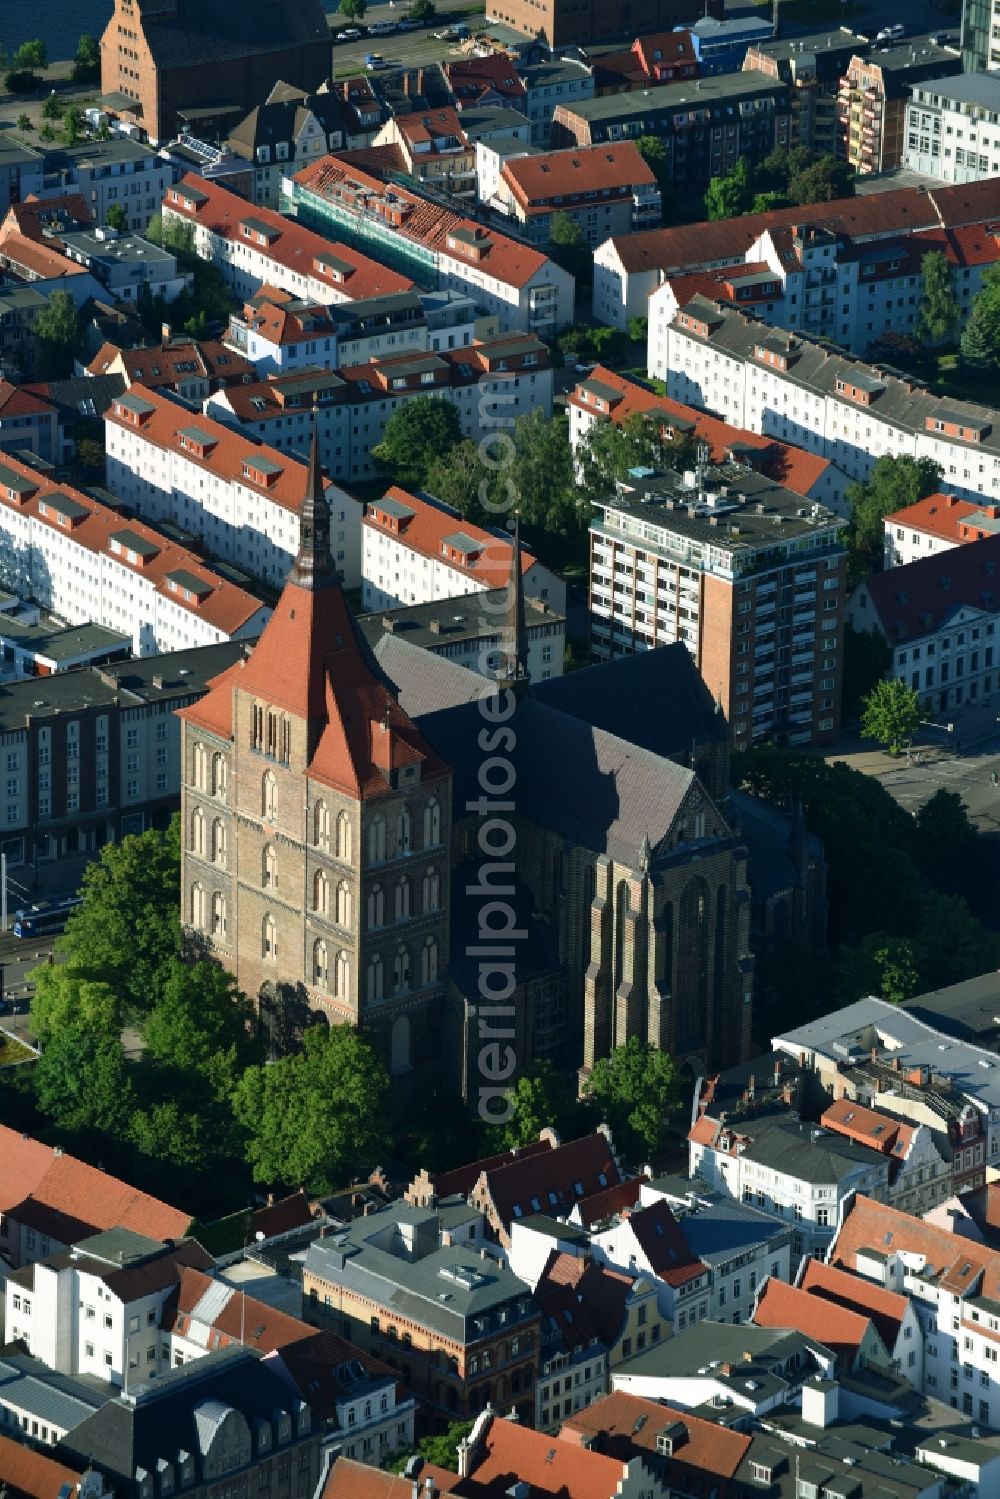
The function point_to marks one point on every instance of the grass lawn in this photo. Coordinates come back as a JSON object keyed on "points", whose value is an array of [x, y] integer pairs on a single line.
{"points": [[224, 1236], [12, 1050], [951, 381], [638, 372]]}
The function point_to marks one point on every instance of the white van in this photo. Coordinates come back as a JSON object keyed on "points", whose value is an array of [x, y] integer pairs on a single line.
{"points": [[894, 33], [381, 28]]}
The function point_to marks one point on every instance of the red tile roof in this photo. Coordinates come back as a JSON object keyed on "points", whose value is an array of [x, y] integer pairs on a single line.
{"points": [[223, 605], [424, 126], [885, 1308], [867, 1126], [871, 215], [836, 1327], [536, 180], [350, 1480], [661, 1239], [281, 1217], [31, 217], [612, 1200], [460, 1181], [920, 597], [67, 1200], [554, 1469], [662, 49], [793, 467], [160, 367], [601, 1294], [243, 1319], [293, 247], [612, 1425], [37, 261], [431, 524], [430, 224], [956, 1263], [705, 1131], [16, 401], [473, 79], [27, 1474], [588, 1161], [944, 515]]}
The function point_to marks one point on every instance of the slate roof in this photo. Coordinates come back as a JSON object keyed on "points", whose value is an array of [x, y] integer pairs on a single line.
{"points": [[56, 1399], [715, 1234], [317, 1367], [788, 1147], [920, 597]]}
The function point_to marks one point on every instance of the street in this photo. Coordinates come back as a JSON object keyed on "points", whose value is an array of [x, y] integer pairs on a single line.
{"points": [[19, 959]]}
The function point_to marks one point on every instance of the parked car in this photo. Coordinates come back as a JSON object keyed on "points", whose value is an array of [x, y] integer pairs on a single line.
{"points": [[893, 33], [409, 25], [375, 60], [449, 34], [381, 28], [349, 34]]}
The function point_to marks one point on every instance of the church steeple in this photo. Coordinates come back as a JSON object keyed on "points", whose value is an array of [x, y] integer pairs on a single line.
{"points": [[514, 641], [314, 566]]}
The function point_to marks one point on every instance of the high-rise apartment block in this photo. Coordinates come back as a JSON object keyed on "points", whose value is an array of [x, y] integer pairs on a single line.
{"points": [[748, 575]]}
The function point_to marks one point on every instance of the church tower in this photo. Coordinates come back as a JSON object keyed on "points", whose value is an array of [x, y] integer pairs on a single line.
{"points": [[316, 820]]}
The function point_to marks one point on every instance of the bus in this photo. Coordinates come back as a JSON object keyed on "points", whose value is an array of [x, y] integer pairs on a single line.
{"points": [[47, 916]]}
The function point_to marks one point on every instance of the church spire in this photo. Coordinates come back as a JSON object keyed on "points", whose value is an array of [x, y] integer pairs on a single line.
{"points": [[314, 566], [515, 632]]}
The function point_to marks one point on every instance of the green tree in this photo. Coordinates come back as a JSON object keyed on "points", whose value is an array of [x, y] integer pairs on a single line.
{"points": [[568, 247], [415, 437], [167, 1132], [353, 10], [980, 342], [949, 847], [29, 55], [937, 314], [24, 123], [541, 475], [52, 109], [87, 61], [73, 123], [540, 1098], [950, 944], [46, 134], [461, 479], [895, 482], [82, 1082], [867, 659], [127, 929], [201, 1024], [610, 449], [882, 965], [59, 334], [654, 154], [441, 1450], [634, 1090], [116, 217], [422, 10], [820, 181], [312, 1116], [638, 330], [65, 998], [890, 714], [727, 197]]}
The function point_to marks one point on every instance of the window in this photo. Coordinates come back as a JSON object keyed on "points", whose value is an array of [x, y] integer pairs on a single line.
{"points": [[218, 914], [268, 795], [268, 868], [321, 966], [345, 839], [376, 906], [321, 825], [218, 775], [321, 893], [376, 840], [432, 890], [402, 899], [343, 904], [218, 841], [432, 823], [429, 962], [269, 938], [342, 987]]}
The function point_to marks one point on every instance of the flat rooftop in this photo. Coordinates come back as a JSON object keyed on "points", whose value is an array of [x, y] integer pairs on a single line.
{"points": [[442, 623], [720, 88]]}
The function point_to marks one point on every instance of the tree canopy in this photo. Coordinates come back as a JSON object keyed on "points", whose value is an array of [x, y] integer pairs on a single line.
{"points": [[610, 449], [59, 335], [635, 1090], [890, 714], [938, 312], [980, 342], [894, 483], [540, 1098], [416, 436], [312, 1116], [568, 246]]}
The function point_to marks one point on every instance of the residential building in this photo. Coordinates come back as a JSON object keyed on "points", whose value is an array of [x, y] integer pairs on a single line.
{"points": [[435, 149], [191, 369], [696, 558], [96, 1309], [944, 111], [874, 94], [68, 405], [490, 80], [265, 248], [849, 1333], [934, 525], [417, 550], [248, 514], [126, 266], [27, 421], [473, 638], [82, 561], [499, 380], [812, 67], [886, 1058], [799, 1174], [920, 1175], [347, 1478], [33, 646], [606, 395], [325, 900], [891, 1314], [50, 1200], [665, 57], [573, 1359], [402, 1286], [119, 171], [952, 1283], [563, 24], [93, 755], [289, 129], [628, 270], [227, 1415], [647, 1241], [38, 1404], [497, 1450], [29, 1474], [362, 1405], [603, 190], [161, 60], [439, 248], [283, 334], [559, 80], [746, 1370], [803, 391], [706, 124], [964, 1010], [684, 1449], [20, 173]]}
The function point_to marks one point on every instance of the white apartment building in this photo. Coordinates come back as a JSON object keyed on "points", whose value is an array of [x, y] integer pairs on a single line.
{"points": [[521, 286], [952, 129], [240, 498], [794, 1172], [254, 247], [953, 1284], [490, 385], [84, 563], [416, 549], [935, 525], [802, 392], [97, 1309], [114, 172]]}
